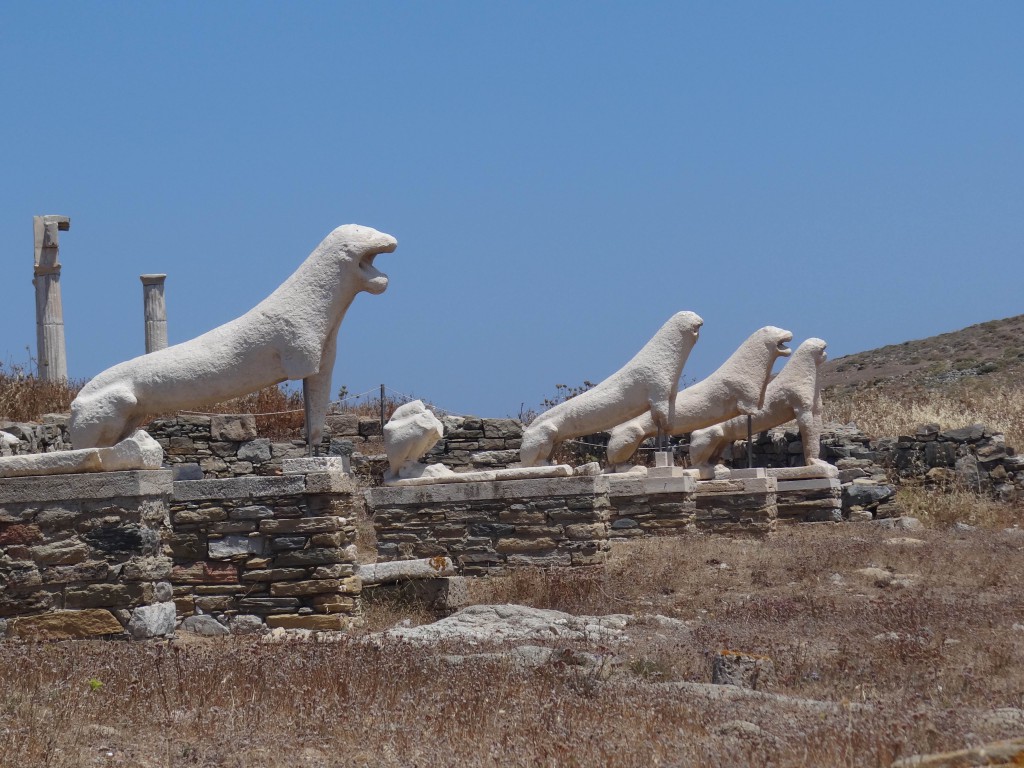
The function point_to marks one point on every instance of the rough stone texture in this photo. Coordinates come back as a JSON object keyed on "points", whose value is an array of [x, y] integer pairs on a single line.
{"points": [[290, 335], [650, 507], [73, 544], [505, 623], [264, 546], [644, 385], [491, 525], [810, 501], [486, 527], [152, 621], [738, 507], [745, 670], [736, 387], [65, 625], [205, 625]]}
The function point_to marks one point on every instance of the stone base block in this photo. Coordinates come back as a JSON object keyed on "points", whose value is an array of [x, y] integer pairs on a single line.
{"points": [[737, 506], [810, 501], [65, 625]]}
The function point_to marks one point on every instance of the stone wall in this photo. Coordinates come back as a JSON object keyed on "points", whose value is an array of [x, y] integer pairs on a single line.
{"points": [[280, 549], [489, 526], [473, 443], [975, 458], [49, 435], [81, 555]]}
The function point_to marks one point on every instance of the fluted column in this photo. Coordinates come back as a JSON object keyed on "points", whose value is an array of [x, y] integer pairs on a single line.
{"points": [[154, 311], [51, 352]]}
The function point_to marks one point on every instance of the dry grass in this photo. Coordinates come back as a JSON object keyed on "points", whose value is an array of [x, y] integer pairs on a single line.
{"points": [[942, 507], [889, 412], [925, 661], [23, 397]]}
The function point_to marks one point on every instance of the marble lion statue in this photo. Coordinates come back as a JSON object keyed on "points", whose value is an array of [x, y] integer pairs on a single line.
{"points": [[290, 335], [737, 387], [794, 394]]}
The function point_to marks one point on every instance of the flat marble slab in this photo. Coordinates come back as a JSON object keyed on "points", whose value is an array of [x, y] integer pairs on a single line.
{"points": [[515, 473]]}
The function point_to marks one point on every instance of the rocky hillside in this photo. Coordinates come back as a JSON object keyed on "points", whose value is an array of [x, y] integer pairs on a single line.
{"points": [[991, 353]]}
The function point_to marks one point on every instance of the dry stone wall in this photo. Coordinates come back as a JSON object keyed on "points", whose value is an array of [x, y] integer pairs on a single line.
{"points": [[281, 549], [81, 556], [489, 526]]}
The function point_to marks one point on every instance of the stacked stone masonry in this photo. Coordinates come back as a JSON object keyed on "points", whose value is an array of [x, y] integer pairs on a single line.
{"points": [[207, 447], [81, 556], [278, 548], [746, 507], [488, 527]]}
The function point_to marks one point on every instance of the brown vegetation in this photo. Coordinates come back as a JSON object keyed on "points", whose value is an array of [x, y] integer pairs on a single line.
{"points": [[970, 376], [917, 655], [23, 397]]}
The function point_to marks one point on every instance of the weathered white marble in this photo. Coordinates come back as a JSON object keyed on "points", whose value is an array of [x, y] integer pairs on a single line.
{"points": [[303, 465], [644, 385], [794, 394], [138, 451], [818, 471], [291, 334], [411, 431], [483, 476], [737, 387], [51, 352], [154, 311]]}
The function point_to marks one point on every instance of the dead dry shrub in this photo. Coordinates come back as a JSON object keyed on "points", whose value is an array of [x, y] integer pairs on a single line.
{"points": [[279, 411], [921, 662], [943, 507], [891, 412], [25, 397]]}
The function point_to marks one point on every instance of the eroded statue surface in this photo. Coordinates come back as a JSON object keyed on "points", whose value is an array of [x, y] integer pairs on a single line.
{"points": [[794, 394], [411, 431], [737, 387], [289, 335], [645, 385]]}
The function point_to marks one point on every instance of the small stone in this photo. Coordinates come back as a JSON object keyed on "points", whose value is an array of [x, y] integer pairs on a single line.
{"points": [[745, 670], [163, 591], [152, 621], [67, 552], [236, 429], [244, 624], [257, 451], [147, 569], [252, 512], [187, 471], [204, 625]]}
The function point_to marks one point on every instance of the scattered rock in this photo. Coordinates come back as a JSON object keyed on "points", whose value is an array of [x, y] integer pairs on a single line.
{"points": [[246, 624], [746, 670], [155, 620], [482, 623], [205, 625]]}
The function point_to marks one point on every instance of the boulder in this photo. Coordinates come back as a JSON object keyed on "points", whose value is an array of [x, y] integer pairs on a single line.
{"points": [[152, 621]]}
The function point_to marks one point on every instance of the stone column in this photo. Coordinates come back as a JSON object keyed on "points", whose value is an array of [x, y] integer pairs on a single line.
{"points": [[51, 353], [155, 311]]}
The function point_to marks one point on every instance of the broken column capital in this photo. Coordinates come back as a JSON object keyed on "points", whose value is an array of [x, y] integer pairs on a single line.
{"points": [[47, 241]]}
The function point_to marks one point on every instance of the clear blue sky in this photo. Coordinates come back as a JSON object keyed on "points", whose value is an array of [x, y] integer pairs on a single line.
{"points": [[561, 176]]}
